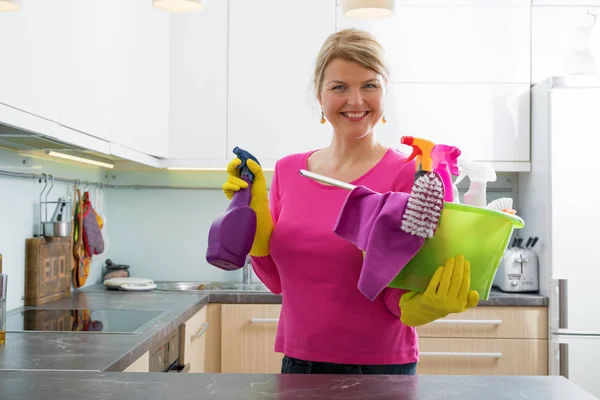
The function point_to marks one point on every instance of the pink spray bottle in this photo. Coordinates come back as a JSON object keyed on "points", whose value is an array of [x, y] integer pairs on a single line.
{"points": [[445, 162]]}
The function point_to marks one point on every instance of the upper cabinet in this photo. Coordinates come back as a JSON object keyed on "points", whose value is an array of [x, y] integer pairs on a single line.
{"points": [[139, 77], [182, 90], [272, 50], [198, 87], [29, 70], [454, 44], [88, 73], [85, 59]]}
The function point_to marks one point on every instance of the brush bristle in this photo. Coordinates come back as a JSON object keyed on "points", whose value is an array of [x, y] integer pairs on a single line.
{"points": [[422, 214]]}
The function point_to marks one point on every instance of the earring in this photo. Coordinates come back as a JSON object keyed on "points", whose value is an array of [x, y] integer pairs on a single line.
{"points": [[323, 120], [383, 120]]}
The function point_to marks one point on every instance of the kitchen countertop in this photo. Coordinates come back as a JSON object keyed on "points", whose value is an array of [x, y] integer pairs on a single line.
{"points": [[496, 298], [49, 385], [114, 352]]}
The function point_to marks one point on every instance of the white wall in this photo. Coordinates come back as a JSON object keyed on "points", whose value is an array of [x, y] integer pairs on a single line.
{"points": [[19, 214]]}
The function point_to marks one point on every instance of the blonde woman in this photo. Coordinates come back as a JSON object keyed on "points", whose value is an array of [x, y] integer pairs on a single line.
{"points": [[327, 325]]}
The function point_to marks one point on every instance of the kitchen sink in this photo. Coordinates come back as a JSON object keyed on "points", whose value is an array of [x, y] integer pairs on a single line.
{"points": [[206, 286]]}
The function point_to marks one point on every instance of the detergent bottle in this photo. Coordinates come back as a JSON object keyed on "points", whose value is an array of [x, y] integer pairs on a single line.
{"points": [[445, 162], [422, 151], [479, 174], [232, 232]]}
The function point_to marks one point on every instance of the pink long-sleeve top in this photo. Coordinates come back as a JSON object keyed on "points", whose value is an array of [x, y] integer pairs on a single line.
{"points": [[324, 317]]}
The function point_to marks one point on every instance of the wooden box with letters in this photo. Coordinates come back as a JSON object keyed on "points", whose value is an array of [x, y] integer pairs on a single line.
{"points": [[47, 269]]}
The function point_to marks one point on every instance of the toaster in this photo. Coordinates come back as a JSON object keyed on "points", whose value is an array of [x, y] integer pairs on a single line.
{"points": [[518, 270]]}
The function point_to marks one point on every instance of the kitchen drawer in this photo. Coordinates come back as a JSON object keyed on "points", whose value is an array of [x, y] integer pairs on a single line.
{"points": [[441, 356], [491, 322]]}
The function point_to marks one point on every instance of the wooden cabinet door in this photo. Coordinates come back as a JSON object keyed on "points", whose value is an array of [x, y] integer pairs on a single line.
{"points": [[194, 341], [247, 338]]}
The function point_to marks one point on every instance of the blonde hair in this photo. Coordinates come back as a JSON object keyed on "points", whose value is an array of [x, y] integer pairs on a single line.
{"points": [[351, 45]]}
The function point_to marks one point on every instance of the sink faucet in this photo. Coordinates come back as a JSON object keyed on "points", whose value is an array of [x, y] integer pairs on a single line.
{"points": [[246, 271]]}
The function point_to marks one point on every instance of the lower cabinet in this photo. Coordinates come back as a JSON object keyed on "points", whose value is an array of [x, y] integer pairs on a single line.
{"points": [[247, 338], [200, 340], [142, 364], [481, 341]]}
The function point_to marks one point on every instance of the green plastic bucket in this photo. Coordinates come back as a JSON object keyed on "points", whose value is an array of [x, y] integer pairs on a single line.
{"points": [[481, 235]]}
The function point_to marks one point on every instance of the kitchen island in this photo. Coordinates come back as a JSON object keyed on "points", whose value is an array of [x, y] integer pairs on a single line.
{"points": [[49, 385]]}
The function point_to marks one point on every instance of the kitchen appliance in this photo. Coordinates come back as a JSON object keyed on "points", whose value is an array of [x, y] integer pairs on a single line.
{"points": [[556, 201], [232, 233], [519, 268], [80, 320]]}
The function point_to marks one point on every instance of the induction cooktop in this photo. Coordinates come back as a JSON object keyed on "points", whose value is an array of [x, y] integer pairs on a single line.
{"points": [[80, 320]]}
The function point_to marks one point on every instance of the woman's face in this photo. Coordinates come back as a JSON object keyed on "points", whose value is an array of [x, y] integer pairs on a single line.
{"points": [[352, 97]]}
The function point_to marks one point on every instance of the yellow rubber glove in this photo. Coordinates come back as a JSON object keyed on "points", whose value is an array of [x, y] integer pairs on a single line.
{"points": [[259, 203], [448, 292]]}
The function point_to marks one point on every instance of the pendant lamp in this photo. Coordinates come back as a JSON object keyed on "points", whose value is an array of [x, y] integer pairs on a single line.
{"points": [[179, 6], [368, 9], [10, 5]]}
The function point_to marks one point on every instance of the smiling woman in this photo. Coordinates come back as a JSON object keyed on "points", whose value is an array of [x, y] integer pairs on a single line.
{"points": [[328, 324]]}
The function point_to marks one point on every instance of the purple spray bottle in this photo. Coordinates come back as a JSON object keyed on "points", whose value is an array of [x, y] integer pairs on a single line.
{"points": [[232, 233]]}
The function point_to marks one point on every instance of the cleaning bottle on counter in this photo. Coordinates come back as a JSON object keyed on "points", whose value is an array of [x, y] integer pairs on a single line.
{"points": [[479, 174], [421, 150], [445, 162]]}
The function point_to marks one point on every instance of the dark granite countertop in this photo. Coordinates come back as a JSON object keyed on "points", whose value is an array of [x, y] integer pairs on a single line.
{"points": [[114, 352], [45, 385], [94, 351], [496, 299]]}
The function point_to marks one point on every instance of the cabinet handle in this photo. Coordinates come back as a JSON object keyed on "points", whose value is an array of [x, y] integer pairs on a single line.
{"points": [[201, 331], [468, 321], [458, 354], [263, 320]]}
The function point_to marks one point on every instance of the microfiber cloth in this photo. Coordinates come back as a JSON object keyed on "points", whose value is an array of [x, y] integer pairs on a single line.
{"points": [[377, 224]]}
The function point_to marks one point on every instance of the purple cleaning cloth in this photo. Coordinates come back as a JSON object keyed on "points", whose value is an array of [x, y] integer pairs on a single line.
{"points": [[371, 221]]}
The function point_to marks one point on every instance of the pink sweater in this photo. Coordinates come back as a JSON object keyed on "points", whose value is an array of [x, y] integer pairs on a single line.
{"points": [[324, 317]]}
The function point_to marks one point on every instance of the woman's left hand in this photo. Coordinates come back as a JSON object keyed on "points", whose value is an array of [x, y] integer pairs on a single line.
{"points": [[448, 292]]}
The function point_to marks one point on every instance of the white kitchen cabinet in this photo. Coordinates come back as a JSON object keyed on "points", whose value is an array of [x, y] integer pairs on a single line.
{"points": [[559, 38], [272, 49], [198, 118], [29, 67], [453, 44], [139, 77], [489, 123], [85, 61]]}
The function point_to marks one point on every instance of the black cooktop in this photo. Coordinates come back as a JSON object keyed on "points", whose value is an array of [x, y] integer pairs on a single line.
{"points": [[79, 320]]}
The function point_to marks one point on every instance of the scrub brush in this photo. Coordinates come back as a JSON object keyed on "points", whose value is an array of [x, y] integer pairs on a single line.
{"points": [[503, 204], [424, 208]]}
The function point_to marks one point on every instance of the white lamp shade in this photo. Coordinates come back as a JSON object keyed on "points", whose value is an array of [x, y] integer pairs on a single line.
{"points": [[10, 5], [180, 6], [368, 9]]}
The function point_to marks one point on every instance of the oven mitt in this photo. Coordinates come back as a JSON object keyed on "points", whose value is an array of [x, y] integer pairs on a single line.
{"points": [[92, 237], [448, 292], [259, 203]]}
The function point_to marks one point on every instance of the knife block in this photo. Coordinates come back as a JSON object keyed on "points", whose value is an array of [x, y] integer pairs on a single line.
{"points": [[47, 269]]}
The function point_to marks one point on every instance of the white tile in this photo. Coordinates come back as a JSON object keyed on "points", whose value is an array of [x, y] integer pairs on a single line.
{"points": [[454, 44], [488, 122], [559, 42]]}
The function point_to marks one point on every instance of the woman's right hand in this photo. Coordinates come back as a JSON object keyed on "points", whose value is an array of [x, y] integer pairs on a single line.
{"points": [[259, 202]]}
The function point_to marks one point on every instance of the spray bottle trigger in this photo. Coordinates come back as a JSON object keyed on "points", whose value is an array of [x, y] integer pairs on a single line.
{"points": [[244, 156]]}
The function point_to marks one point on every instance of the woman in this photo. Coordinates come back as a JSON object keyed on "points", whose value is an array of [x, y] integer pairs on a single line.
{"points": [[327, 325]]}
